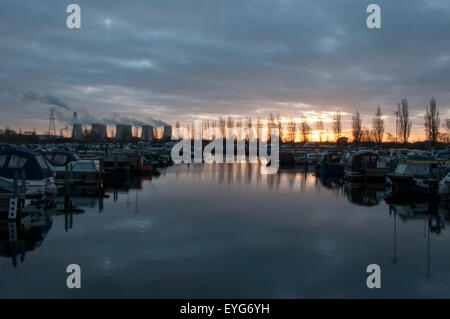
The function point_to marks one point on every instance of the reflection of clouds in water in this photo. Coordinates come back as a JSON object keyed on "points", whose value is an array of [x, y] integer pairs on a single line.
{"points": [[128, 224], [200, 236], [105, 263]]}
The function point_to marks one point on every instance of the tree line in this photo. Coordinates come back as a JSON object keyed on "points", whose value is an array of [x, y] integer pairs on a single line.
{"points": [[403, 125]]}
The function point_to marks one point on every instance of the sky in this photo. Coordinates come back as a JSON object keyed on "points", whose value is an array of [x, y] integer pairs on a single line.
{"points": [[180, 60]]}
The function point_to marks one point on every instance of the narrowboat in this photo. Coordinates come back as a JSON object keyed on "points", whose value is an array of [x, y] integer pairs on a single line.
{"points": [[364, 166]]}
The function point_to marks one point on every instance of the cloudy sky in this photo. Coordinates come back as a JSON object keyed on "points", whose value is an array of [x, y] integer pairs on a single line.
{"points": [[177, 60]]}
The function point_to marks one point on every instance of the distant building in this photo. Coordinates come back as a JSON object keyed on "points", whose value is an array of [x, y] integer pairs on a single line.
{"points": [[167, 134], [124, 132], [77, 132], [99, 130], [147, 133]]}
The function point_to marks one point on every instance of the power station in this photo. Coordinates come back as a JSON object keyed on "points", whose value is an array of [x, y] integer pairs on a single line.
{"points": [[99, 130], [147, 133], [124, 132], [167, 135]]}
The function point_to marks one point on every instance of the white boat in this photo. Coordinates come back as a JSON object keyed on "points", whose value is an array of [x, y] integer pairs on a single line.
{"points": [[80, 171], [28, 166], [415, 178], [84, 171]]}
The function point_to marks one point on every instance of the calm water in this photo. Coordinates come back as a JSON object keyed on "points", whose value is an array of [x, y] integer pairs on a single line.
{"points": [[211, 231]]}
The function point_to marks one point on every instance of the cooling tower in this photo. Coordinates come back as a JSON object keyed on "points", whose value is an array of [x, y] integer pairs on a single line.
{"points": [[124, 132], [147, 133], [99, 130], [167, 135], [77, 132]]}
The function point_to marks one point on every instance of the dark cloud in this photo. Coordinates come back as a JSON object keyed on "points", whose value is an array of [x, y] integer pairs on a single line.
{"points": [[177, 59]]}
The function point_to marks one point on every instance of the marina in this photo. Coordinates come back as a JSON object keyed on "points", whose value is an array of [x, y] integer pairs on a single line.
{"points": [[225, 159], [304, 219]]}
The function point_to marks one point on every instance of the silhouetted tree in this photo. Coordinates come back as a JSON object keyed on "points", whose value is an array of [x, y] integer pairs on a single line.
{"points": [[356, 128], [337, 125], [291, 131], [320, 128], [404, 123], [378, 126], [305, 129], [432, 122], [366, 135]]}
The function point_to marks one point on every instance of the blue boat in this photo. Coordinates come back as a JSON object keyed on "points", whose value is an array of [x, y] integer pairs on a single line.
{"points": [[29, 166]]}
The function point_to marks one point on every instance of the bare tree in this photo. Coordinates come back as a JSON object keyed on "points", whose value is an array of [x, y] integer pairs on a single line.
{"points": [[378, 126], [320, 128], [305, 129], [366, 135], [337, 125], [291, 130], [404, 123], [356, 128], [432, 122]]}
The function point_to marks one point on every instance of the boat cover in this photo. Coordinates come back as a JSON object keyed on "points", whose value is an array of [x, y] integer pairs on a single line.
{"points": [[23, 160]]}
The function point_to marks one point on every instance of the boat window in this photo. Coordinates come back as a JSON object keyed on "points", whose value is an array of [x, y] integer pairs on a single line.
{"points": [[49, 157], [17, 161], [418, 169], [41, 162], [401, 168], [369, 161], [60, 159], [82, 166], [2, 159]]}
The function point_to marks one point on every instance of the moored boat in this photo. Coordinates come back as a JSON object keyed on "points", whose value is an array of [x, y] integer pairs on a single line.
{"points": [[29, 167], [364, 166], [331, 164], [79, 171], [415, 179]]}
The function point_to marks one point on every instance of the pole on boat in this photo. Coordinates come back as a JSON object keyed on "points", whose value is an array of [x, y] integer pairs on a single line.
{"points": [[23, 188]]}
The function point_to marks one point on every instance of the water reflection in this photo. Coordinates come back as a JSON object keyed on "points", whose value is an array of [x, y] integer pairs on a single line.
{"points": [[26, 234], [211, 214], [435, 219]]}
